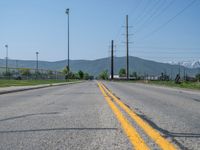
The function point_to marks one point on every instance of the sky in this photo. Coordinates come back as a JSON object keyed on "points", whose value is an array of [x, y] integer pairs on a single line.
{"points": [[160, 30]]}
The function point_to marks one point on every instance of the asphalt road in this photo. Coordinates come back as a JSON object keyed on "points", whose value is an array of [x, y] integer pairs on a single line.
{"points": [[66, 117], [173, 112], [83, 116]]}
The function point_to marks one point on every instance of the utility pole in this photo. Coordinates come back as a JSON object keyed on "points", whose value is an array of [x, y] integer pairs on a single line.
{"points": [[112, 60], [127, 49], [6, 46], [67, 12]]}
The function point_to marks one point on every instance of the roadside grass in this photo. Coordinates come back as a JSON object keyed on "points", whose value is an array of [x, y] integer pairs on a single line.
{"points": [[184, 84], [187, 85], [7, 83]]}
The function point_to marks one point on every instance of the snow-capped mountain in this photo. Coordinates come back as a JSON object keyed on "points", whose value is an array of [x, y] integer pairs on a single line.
{"points": [[188, 64]]}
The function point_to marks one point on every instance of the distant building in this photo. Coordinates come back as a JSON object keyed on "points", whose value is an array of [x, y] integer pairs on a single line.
{"points": [[114, 76], [121, 78], [152, 77]]}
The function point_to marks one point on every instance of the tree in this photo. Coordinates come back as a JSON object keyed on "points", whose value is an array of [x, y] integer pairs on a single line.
{"points": [[104, 75], [68, 74], [25, 71], [65, 71], [198, 77], [50, 72], [81, 74], [122, 72], [134, 74], [76, 75], [7, 74], [86, 76]]}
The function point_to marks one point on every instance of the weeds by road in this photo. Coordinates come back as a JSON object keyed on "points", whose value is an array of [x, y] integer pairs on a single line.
{"points": [[7, 83], [188, 85], [184, 84]]}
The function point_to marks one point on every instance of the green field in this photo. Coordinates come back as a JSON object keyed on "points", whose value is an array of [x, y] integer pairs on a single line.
{"points": [[188, 85], [7, 83]]}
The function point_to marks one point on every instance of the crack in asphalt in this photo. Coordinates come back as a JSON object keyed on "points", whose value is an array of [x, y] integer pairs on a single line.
{"points": [[58, 129], [28, 115]]}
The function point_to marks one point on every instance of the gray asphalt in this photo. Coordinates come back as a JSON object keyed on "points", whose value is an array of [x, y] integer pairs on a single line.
{"points": [[77, 116], [175, 113], [65, 117]]}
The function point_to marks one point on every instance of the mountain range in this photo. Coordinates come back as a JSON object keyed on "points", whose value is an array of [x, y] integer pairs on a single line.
{"points": [[188, 64], [94, 67]]}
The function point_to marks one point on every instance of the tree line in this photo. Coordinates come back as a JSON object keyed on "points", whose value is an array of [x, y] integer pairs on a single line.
{"points": [[104, 75], [77, 75]]}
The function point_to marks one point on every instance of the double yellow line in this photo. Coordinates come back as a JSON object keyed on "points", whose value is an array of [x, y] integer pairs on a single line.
{"points": [[134, 137]]}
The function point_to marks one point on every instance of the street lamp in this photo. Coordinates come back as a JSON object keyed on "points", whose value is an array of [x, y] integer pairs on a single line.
{"points": [[6, 46], [67, 12], [37, 61]]}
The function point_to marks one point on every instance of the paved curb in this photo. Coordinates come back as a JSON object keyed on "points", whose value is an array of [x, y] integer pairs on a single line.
{"points": [[36, 87]]}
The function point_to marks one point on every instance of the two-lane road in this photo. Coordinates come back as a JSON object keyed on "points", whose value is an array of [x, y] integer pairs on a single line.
{"points": [[173, 112], [79, 116], [65, 117]]}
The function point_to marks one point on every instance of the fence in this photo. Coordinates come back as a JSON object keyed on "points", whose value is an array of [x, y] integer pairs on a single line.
{"points": [[30, 74]]}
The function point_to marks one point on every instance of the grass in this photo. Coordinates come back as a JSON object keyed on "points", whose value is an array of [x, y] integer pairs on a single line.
{"points": [[7, 83], [187, 85]]}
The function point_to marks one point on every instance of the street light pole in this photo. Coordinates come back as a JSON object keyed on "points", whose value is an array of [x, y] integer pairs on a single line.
{"points": [[37, 61], [6, 46], [67, 12]]}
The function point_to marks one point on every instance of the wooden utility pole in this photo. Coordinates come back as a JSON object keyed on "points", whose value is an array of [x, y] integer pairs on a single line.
{"points": [[127, 49], [112, 60]]}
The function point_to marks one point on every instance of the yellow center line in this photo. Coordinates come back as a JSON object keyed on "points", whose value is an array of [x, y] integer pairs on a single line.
{"points": [[130, 131], [150, 131]]}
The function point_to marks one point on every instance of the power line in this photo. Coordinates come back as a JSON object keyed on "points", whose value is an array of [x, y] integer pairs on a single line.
{"points": [[173, 48], [157, 47], [170, 20], [144, 10], [147, 8], [152, 11], [137, 6], [153, 16], [160, 52], [132, 11]]}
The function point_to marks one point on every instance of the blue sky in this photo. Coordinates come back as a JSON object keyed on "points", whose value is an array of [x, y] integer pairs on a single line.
{"points": [[28, 26]]}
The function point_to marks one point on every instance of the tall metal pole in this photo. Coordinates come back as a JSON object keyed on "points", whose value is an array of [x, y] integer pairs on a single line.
{"points": [[16, 63], [171, 74], [67, 12], [127, 49], [6, 58], [112, 60], [37, 61], [184, 74], [37, 65]]}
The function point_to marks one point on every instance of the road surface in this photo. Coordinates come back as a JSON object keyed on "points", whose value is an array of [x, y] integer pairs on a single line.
{"points": [[173, 112], [83, 116]]}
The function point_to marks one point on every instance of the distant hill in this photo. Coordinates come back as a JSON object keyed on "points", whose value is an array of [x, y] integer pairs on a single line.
{"points": [[94, 67], [188, 64]]}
